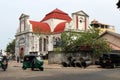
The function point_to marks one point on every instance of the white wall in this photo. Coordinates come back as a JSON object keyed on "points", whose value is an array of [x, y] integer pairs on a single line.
{"points": [[53, 23], [50, 43]]}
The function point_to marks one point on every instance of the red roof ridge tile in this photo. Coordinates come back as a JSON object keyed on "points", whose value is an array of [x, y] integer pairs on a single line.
{"points": [[57, 14]]}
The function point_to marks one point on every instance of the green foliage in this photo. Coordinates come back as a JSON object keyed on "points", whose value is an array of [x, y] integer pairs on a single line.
{"points": [[86, 38], [57, 50], [68, 39], [101, 46], [11, 47]]}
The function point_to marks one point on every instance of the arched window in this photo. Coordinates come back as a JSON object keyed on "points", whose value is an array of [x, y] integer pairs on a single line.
{"points": [[45, 44], [40, 44]]}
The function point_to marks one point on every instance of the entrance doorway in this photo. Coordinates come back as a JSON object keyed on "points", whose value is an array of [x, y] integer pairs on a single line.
{"points": [[21, 53]]}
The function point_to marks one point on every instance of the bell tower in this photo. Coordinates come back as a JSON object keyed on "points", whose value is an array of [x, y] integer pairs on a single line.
{"points": [[23, 22], [80, 20]]}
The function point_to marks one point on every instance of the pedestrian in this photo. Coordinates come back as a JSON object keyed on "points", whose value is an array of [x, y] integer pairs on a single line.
{"points": [[18, 59]]}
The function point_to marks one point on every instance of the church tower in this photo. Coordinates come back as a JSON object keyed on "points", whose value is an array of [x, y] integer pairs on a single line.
{"points": [[22, 37], [23, 22], [80, 21]]}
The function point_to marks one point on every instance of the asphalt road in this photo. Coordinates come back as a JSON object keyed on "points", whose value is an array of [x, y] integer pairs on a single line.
{"points": [[15, 72]]}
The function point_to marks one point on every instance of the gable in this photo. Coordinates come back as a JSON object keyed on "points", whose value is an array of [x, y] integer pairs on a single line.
{"points": [[112, 38], [23, 15], [82, 13], [114, 47]]}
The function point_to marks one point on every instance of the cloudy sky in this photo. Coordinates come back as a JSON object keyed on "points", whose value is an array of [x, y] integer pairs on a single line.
{"points": [[104, 11]]}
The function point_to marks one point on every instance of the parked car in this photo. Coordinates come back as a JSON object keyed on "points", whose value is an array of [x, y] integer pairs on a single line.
{"points": [[97, 62], [32, 61], [110, 59]]}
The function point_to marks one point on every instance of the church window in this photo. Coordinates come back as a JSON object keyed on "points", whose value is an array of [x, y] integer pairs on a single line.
{"points": [[40, 44], [22, 24], [81, 19], [47, 39], [44, 44]]}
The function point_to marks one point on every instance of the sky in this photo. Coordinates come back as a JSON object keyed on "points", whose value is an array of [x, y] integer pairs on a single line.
{"points": [[105, 11]]}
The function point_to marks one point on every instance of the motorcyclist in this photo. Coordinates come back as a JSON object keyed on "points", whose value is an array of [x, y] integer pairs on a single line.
{"points": [[6, 60]]}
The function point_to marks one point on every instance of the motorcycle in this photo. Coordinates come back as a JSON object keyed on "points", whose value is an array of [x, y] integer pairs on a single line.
{"points": [[4, 63]]}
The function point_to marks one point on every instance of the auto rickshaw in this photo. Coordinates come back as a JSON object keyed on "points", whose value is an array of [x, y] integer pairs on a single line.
{"points": [[32, 61], [3, 62]]}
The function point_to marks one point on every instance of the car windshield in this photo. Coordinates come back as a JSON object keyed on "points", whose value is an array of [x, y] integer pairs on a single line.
{"points": [[105, 56]]}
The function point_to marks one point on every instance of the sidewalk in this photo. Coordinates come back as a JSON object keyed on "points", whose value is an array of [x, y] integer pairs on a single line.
{"points": [[92, 67], [14, 64]]}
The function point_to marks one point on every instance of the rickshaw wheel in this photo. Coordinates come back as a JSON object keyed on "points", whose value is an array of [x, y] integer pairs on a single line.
{"points": [[24, 68], [4, 69]]}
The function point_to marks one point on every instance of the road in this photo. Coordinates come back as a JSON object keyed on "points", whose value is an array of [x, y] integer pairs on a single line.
{"points": [[14, 72]]}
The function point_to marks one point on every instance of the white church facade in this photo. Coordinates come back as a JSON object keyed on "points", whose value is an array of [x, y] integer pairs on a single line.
{"points": [[50, 28]]}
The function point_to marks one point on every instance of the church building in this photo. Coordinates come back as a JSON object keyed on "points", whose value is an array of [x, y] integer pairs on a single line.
{"points": [[49, 29]]}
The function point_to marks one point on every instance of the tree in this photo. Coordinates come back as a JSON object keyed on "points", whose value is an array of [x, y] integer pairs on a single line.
{"points": [[101, 46], [118, 4], [86, 39], [11, 47], [68, 41]]}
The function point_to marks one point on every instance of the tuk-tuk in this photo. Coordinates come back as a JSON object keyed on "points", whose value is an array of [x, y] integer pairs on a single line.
{"points": [[33, 61]]}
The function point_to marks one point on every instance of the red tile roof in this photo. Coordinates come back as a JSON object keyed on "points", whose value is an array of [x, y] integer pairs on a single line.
{"points": [[40, 26], [43, 27], [57, 14], [60, 27]]}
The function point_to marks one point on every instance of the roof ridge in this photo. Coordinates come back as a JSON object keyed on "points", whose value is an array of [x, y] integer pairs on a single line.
{"points": [[58, 14], [57, 11]]}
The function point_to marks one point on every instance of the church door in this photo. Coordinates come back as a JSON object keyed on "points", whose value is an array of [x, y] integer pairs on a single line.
{"points": [[21, 53]]}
